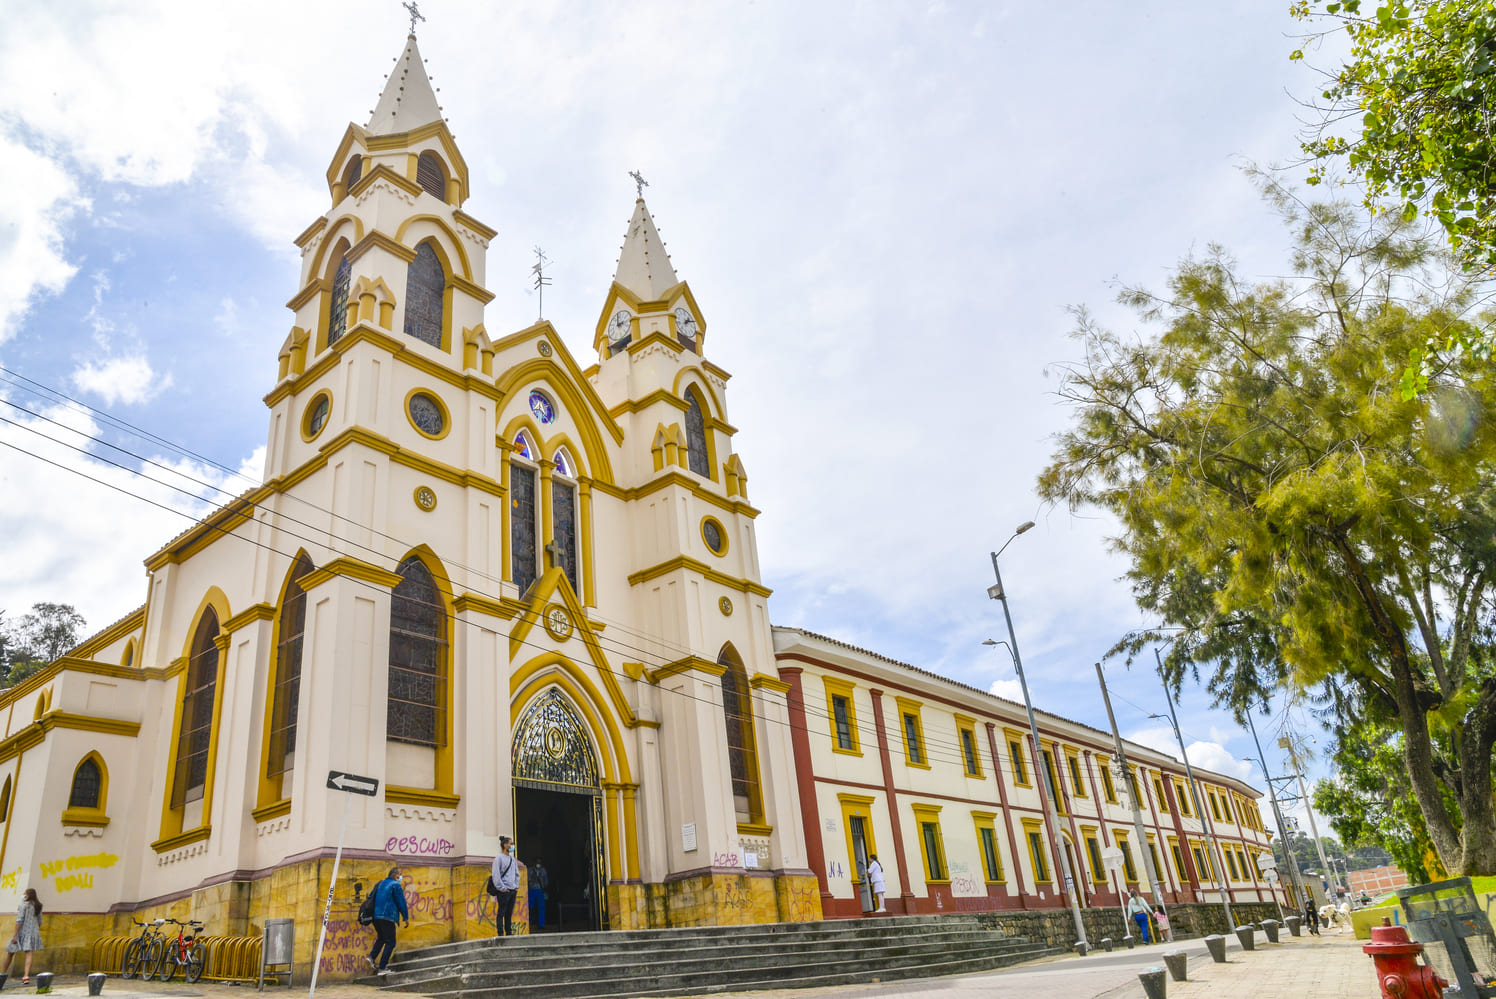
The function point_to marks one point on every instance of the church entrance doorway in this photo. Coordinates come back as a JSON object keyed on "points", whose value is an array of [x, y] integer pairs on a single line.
{"points": [[558, 816]]}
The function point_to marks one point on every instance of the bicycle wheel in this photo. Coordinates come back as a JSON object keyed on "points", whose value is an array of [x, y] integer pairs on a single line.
{"points": [[196, 959], [166, 968], [130, 966]]}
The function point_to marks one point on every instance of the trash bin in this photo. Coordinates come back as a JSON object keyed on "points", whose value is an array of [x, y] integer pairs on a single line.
{"points": [[278, 948], [1445, 913]]}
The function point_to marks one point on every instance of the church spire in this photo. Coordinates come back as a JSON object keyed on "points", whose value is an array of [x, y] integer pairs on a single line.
{"points": [[408, 101], [643, 265]]}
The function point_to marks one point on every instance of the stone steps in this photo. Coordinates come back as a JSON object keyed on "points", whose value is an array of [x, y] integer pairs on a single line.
{"points": [[596, 965]]}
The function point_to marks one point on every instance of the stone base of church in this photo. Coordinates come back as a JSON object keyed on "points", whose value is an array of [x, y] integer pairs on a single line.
{"points": [[447, 903]]}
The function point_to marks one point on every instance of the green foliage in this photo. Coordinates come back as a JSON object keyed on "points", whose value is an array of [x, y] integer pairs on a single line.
{"points": [[39, 637], [1294, 517], [1369, 801]]}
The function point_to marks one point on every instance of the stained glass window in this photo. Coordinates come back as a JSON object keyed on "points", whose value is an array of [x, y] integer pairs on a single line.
{"points": [[430, 176], [564, 528], [197, 714], [425, 283], [317, 418], [711, 533], [427, 414], [353, 173], [87, 782], [564, 464], [337, 313], [418, 659], [287, 693], [523, 446], [522, 527], [737, 709], [696, 436], [541, 407]]}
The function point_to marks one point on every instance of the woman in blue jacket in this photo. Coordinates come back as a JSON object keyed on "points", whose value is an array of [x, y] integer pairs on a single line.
{"points": [[389, 905]]}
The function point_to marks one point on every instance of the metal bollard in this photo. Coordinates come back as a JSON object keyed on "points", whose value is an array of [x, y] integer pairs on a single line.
{"points": [[96, 983], [1155, 986], [1248, 937], [1270, 927], [1131, 943], [1217, 946], [1082, 948], [1106, 944], [1293, 925], [44, 983], [1176, 961]]}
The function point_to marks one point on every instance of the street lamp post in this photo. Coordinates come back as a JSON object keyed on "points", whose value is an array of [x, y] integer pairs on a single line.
{"points": [[1046, 792]]}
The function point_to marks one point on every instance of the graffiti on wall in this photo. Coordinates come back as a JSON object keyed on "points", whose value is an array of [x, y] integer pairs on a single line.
{"points": [[419, 846], [76, 871]]}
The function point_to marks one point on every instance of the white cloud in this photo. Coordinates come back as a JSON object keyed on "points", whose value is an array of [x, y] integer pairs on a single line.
{"points": [[128, 380], [33, 258], [1011, 689]]}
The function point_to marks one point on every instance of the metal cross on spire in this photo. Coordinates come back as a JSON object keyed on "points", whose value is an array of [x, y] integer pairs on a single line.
{"points": [[639, 182], [541, 281], [415, 14]]}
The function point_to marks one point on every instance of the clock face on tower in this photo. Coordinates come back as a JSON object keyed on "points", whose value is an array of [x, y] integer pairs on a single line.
{"points": [[685, 324], [618, 326]]}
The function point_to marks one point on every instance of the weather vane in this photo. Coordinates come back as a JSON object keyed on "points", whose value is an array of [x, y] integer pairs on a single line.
{"points": [[639, 182], [415, 14], [541, 281]]}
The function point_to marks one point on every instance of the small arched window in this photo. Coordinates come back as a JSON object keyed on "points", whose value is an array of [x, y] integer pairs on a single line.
{"points": [[564, 520], [418, 659], [696, 452], [431, 176], [337, 311], [87, 782], [129, 658], [564, 465], [742, 756], [191, 771], [286, 696], [353, 172], [425, 285], [5, 801], [523, 447]]}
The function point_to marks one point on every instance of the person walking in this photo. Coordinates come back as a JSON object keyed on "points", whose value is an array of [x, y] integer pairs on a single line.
{"points": [[1161, 920], [506, 880], [875, 881], [540, 883], [389, 903], [27, 938], [1138, 910]]}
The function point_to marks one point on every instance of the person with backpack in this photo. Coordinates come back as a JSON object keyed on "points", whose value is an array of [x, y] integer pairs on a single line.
{"points": [[506, 884], [388, 902]]}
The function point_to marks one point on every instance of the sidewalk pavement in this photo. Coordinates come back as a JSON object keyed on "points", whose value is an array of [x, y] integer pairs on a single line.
{"points": [[1323, 967]]}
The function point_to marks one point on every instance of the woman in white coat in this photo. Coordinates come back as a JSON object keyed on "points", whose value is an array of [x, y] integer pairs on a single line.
{"points": [[875, 880]]}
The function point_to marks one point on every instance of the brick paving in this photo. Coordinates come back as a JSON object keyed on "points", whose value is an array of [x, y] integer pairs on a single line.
{"points": [[1327, 967]]}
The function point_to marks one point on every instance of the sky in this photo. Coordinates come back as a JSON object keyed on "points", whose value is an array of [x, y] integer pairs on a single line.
{"points": [[886, 211]]}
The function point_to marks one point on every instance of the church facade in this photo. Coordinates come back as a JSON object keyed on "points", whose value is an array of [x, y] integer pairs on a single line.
{"points": [[520, 592]]}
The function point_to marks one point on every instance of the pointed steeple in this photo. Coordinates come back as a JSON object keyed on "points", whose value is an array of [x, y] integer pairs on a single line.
{"points": [[408, 101], [643, 265]]}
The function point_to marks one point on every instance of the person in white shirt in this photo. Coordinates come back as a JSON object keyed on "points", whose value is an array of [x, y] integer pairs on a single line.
{"points": [[506, 880], [875, 880], [1138, 910]]}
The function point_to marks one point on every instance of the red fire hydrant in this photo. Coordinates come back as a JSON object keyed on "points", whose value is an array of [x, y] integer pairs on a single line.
{"points": [[1399, 975]]}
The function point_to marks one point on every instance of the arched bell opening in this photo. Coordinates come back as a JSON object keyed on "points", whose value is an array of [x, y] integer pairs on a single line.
{"points": [[558, 814]]}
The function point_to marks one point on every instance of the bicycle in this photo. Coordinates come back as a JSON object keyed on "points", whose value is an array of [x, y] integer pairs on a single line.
{"points": [[142, 955], [184, 952]]}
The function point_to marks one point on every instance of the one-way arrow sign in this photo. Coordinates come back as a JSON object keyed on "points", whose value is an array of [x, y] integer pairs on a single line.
{"points": [[339, 781]]}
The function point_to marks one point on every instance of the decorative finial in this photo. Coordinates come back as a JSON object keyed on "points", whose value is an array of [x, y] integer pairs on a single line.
{"points": [[541, 281], [415, 14], [639, 182]]}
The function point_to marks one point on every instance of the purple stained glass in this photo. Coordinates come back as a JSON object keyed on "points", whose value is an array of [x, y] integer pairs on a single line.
{"points": [[523, 446], [542, 408]]}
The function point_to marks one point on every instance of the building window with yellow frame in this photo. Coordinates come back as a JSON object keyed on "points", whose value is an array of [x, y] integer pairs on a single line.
{"points": [[1178, 860], [841, 712], [1163, 799], [89, 796], [856, 811], [1033, 835], [1129, 869], [931, 846], [1093, 854], [1055, 791], [914, 734], [992, 860], [1015, 753], [1183, 794], [1231, 866], [1159, 868], [1077, 786], [1104, 764], [966, 733]]}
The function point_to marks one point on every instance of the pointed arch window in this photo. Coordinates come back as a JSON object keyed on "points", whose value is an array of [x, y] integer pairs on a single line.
{"points": [[417, 711], [286, 697], [564, 517], [191, 770], [87, 783], [742, 755], [5, 801], [352, 174], [425, 286], [337, 312], [524, 515], [696, 453], [431, 176]]}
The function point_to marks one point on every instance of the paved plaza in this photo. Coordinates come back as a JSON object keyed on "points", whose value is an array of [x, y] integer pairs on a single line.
{"points": [[1327, 967]]}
